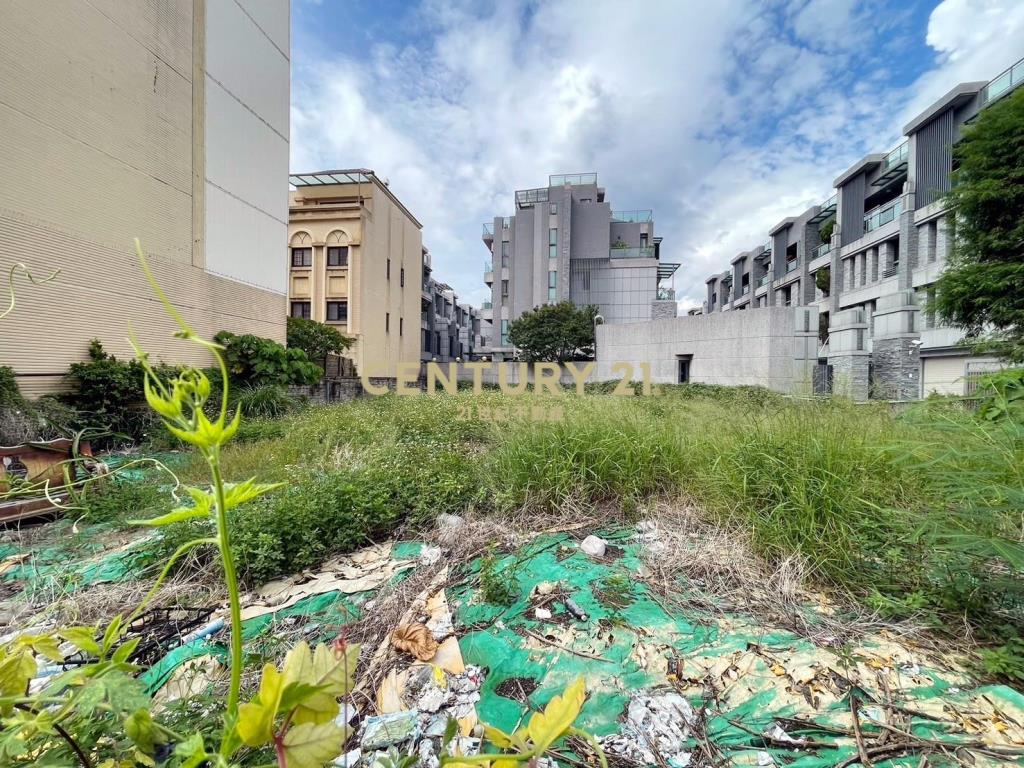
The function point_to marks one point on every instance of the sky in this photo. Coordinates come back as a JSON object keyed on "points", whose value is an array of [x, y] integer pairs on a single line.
{"points": [[723, 116]]}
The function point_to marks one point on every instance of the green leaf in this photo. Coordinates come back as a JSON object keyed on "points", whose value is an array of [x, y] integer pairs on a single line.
{"points": [[47, 646], [256, 719], [545, 728], [140, 728], [125, 650], [83, 638], [192, 752], [176, 515], [16, 670], [311, 745], [111, 634], [236, 494]]}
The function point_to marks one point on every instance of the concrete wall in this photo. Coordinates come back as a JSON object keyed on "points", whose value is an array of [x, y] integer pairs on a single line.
{"points": [[113, 128], [768, 347]]}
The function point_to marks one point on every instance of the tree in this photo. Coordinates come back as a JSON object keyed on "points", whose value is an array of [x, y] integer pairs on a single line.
{"points": [[555, 332], [258, 362], [316, 339], [982, 289]]}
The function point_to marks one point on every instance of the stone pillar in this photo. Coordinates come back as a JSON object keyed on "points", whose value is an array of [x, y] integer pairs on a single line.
{"points": [[908, 244], [927, 243], [805, 349], [943, 239], [887, 257], [847, 334], [873, 264], [896, 351]]}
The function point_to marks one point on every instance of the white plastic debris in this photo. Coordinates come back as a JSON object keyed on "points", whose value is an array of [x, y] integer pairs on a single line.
{"points": [[777, 733], [763, 758], [594, 546], [654, 721], [387, 730], [430, 555], [543, 614], [349, 759]]}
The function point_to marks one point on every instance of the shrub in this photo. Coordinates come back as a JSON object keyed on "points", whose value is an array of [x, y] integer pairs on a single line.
{"points": [[10, 395], [257, 361], [317, 340], [119, 501], [264, 401]]}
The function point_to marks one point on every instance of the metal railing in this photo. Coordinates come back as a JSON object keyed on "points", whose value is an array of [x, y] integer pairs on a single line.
{"points": [[646, 252], [744, 290], [897, 156], [633, 216], [792, 265], [486, 305], [883, 214], [890, 270], [561, 179], [822, 250], [764, 280], [830, 203], [488, 230], [1004, 83], [768, 247], [666, 294], [527, 197]]}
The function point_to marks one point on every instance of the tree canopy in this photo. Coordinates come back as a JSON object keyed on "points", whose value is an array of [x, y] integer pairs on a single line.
{"points": [[316, 339], [982, 289], [555, 333]]}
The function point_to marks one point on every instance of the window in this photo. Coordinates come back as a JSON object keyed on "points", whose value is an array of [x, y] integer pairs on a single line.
{"points": [[552, 285], [401, 277], [643, 239], [585, 279], [302, 257], [504, 254], [437, 342], [401, 326], [388, 273], [553, 208], [387, 321], [425, 340], [504, 289], [504, 333], [552, 236], [337, 311], [337, 256], [683, 368], [301, 309]]}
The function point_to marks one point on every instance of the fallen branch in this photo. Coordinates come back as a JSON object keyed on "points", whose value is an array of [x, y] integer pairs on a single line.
{"points": [[565, 648]]}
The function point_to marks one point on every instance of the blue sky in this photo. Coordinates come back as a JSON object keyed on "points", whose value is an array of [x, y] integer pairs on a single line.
{"points": [[724, 117]]}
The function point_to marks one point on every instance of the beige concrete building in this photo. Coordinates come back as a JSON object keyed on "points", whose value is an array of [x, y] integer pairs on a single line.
{"points": [[356, 263], [165, 120]]}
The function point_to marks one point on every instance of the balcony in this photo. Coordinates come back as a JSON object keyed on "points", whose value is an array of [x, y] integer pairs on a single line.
{"points": [[883, 214], [634, 217], [1004, 83], [791, 266], [822, 250], [768, 247], [486, 305], [666, 294], [561, 179], [488, 273], [765, 279], [646, 252], [526, 198], [744, 290], [488, 234], [894, 166], [826, 210]]}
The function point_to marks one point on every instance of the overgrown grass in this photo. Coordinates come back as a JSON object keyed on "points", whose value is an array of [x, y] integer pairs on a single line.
{"points": [[855, 491]]}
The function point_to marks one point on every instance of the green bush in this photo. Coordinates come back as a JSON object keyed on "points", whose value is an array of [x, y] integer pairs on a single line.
{"points": [[264, 401], [10, 395], [114, 501], [256, 361], [317, 340]]}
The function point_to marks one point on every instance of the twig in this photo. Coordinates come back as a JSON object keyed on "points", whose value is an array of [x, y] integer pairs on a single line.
{"points": [[565, 648], [856, 732]]}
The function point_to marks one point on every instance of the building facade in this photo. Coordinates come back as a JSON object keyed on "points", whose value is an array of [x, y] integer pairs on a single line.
{"points": [[565, 242], [356, 258], [167, 121], [867, 259], [450, 329]]}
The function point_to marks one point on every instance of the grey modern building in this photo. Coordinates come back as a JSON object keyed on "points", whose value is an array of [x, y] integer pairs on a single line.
{"points": [[449, 330], [565, 242], [868, 257]]}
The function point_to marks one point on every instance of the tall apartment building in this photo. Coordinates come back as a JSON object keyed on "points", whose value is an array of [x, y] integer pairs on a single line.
{"points": [[165, 120], [565, 242], [450, 329], [356, 258], [868, 258]]}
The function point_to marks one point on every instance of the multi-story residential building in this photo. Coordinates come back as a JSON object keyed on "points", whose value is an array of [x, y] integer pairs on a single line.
{"points": [[166, 121], [356, 257], [565, 242], [450, 330], [868, 258]]}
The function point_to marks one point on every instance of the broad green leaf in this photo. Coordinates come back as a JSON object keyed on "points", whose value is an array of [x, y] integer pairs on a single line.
{"points": [[47, 646], [311, 745], [83, 638], [139, 727], [545, 728], [495, 736], [320, 677], [125, 650], [256, 719], [335, 669], [192, 751], [16, 669], [111, 634], [176, 515], [236, 494]]}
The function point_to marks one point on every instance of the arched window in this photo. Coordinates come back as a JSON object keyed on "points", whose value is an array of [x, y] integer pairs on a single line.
{"points": [[302, 250]]}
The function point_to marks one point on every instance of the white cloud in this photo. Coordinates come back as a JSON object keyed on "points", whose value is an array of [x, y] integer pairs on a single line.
{"points": [[724, 117]]}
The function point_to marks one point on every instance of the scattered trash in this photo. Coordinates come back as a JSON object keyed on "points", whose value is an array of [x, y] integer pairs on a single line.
{"points": [[543, 614], [416, 639], [430, 555], [578, 613], [594, 546], [380, 731]]}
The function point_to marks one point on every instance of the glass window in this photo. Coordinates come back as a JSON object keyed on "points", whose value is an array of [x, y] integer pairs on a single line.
{"points": [[504, 254], [552, 236], [302, 257], [552, 251], [301, 309], [504, 333], [337, 256], [504, 288], [553, 208], [552, 285], [337, 311]]}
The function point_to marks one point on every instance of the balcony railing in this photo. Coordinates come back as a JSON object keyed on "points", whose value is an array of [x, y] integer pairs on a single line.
{"points": [[561, 179], [768, 247], [883, 214], [666, 294], [822, 250], [527, 197], [764, 280], [488, 230], [897, 156], [486, 305], [1002, 84], [633, 216], [646, 252], [792, 265], [744, 290]]}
